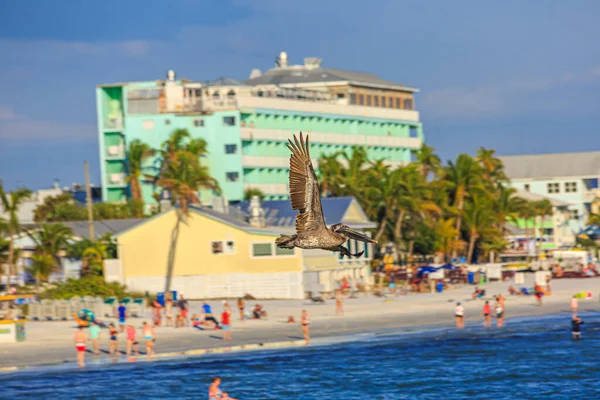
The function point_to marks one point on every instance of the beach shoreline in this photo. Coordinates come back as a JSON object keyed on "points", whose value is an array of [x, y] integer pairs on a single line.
{"points": [[51, 343]]}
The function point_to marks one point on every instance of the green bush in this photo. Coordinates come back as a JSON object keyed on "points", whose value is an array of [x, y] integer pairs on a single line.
{"points": [[88, 286]]}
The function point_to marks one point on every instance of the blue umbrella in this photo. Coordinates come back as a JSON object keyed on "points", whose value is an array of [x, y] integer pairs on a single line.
{"points": [[425, 270]]}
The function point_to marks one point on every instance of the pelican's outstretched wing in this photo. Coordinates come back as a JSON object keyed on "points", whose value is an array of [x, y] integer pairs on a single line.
{"points": [[304, 188]]}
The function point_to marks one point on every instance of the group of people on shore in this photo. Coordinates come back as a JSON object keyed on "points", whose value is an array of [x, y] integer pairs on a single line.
{"points": [[131, 344], [498, 311]]}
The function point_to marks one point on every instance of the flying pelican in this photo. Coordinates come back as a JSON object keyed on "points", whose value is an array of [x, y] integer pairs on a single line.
{"points": [[311, 231]]}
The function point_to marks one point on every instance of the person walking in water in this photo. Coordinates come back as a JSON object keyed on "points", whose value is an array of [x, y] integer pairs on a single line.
{"points": [[94, 333], [574, 305], [459, 314], [305, 323], [339, 303], [487, 314], [148, 332], [576, 328], [113, 346], [80, 341]]}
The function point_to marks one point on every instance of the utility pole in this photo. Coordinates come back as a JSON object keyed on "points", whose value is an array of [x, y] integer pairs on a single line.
{"points": [[90, 207]]}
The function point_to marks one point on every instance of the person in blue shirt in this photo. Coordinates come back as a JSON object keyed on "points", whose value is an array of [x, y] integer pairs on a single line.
{"points": [[122, 311], [208, 315]]}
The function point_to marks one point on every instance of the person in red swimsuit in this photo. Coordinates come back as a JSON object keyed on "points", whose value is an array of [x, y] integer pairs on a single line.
{"points": [[487, 314], [80, 340]]}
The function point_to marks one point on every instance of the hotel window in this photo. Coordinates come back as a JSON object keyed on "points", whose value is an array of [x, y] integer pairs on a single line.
{"points": [[232, 176], [408, 104], [553, 188], [352, 98], [398, 102], [361, 99], [283, 252], [368, 99], [216, 95], [148, 125], [341, 96], [526, 187], [574, 214], [229, 121], [167, 122], [223, 247], [570, 187], [262, 249], [383, 101], [230, 148], [198, 123], [376, 101]]}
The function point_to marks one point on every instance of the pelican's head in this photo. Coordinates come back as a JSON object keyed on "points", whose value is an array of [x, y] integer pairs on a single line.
{"points": [[345, 230]]}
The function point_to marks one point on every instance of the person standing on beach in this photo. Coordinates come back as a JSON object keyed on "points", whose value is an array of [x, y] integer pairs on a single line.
{"points": [[538, 294], [305, 323], [226, 324], [499, 314], [214, 392], [339, 303], [156, 314], [183, 306], [459, 314], [122, 316], [576, 328], [169, 312], [94, 334], [148, 332], [131, 341], [80, 341], [487, 314], [241, 304], [574, 305], [113, 346]]}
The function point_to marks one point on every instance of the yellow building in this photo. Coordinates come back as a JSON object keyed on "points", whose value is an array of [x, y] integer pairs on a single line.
{"points": [[217, 256]]}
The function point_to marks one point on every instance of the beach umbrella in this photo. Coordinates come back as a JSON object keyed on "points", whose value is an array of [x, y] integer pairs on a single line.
{"points": [[425, 270]]}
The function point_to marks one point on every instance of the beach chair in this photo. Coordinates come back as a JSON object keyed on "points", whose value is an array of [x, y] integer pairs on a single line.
{"points": [[49, 310], [35, 311], [63, 310]]}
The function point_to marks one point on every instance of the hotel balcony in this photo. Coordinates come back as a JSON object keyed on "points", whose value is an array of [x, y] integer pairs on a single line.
{"points": [[116, 180], [113, 124], [115, 152], [279, 189], [332, 138], [284, 162]]}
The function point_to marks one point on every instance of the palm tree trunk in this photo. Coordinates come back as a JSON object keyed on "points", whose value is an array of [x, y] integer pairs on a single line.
{"points": [[472, 240], [458, 223], [398, 227], [11, 255], [37, 281], [172, 251], [136, 191], [381, 227]]}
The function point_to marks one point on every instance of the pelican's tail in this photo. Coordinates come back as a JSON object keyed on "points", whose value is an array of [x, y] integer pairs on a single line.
{"points": [[285, 241]]}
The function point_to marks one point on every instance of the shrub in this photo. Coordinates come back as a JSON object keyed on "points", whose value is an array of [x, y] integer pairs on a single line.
{"points": [[88, 286]]}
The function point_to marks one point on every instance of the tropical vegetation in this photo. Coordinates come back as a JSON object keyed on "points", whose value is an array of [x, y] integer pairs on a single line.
{"points": [[460, 208], [63, 207], [88, 286], [11, 203]]}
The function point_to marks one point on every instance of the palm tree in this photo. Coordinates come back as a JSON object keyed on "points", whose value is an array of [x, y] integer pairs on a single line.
{"points": [[11, 202], [50, 241], [251, 192], [428, 160], [542, 209], [137, 152], [182, 175], [506, 206], [42, 266], [477, 218], [464, 177], [446, 231], [493, 169]]}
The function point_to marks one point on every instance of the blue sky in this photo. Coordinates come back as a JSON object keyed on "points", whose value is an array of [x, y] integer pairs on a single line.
{"points": [[518, 76]]}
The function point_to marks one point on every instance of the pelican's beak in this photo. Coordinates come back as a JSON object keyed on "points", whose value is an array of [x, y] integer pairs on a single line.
{"points": [[352, 234]]}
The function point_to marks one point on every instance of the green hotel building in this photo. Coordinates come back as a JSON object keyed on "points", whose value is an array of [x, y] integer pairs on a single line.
{"points": [[246, 124]]}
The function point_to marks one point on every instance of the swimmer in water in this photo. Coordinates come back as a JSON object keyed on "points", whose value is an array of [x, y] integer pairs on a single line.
{"points": [[214, 392], [576, 328]]}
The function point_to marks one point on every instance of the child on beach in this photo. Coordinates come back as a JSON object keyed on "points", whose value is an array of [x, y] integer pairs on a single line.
{"points": [[339, 303], [113, 347], [131, 341], [80, 341], [459, 314], [169, 312], [94, 334], [226, 324], [487, 314], [499, 314], [180, 320], [148, 333]]}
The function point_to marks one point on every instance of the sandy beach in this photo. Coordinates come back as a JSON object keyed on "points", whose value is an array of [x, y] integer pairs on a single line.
{"points": [[52, 342]]}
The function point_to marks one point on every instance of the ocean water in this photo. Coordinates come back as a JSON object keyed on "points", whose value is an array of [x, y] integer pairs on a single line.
{"points": [[526, 359]]}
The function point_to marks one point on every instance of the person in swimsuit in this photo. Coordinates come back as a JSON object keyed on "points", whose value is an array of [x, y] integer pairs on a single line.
{"points": [[339, 303], [94, 334], [226, 396], [148, 333], [459, 314], [305, 323], [122, 316], [80, 341], [226, 324], [241, 304], [169, 312], [576, 328], [131, 341], [574, 305], [214, 392], [487, 314], [499, 314], [113, 347]]}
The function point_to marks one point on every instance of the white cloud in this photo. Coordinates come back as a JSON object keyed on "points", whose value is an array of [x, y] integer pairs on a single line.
{"points": [[7, 113]]}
